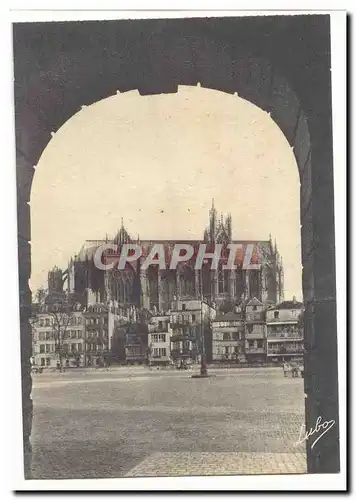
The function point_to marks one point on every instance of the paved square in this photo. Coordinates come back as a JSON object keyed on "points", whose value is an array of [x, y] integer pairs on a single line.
{"points": [[202, 464], [136, 422]]}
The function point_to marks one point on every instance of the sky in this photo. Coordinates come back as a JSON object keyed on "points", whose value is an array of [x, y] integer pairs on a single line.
{"points": [[157, 162]]}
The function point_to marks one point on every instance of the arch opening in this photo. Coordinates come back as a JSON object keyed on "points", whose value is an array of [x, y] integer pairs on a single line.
{"points": [[218, 68]]}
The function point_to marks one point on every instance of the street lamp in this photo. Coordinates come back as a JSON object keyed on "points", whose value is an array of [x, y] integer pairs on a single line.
{"points": [[203, 366]]}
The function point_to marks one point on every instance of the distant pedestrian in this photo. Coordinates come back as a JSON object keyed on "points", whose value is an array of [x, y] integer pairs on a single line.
{"points": [[285, 369]]}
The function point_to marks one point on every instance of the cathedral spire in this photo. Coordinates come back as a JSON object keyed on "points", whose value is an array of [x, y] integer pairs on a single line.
{"points": [[229, 226], [270, 243], [122, 235], [212, 225]]}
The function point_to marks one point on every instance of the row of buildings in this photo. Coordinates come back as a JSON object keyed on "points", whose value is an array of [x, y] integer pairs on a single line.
{"points": [[255, 333], [162, 316], [105, 334]]}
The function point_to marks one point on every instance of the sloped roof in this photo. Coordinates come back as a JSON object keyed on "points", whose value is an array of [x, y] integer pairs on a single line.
{"points": [[230, 316], [290, 304], [254, 302]]}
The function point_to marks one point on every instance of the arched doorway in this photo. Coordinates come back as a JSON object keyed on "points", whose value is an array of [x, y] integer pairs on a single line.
{"points": [[292, 83]]}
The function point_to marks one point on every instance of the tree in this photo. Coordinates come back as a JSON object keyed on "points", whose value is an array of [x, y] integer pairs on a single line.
{"points": [[40, 296], [33, 322], [62, 313]]}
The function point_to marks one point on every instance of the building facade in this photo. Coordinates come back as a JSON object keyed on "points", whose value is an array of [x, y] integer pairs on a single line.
{"points": [[190, 325], [136, 344], [159, 340], [100, 322], [51, 334], [228, 337], [255, 332], [285, 338], [65, 331]]}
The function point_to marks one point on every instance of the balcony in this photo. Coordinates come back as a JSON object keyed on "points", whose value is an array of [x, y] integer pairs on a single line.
{"points": [[273, 321], [255, 316], [182, 326], [255, 350], [159, 329], [159, 342], [227, 342], [254, 335], [285, 335], [159, 357], [285, 350], [228, 323], [182, 336]]}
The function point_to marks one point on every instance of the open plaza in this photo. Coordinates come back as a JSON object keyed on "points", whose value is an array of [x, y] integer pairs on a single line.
{"points": [[133, 421]]}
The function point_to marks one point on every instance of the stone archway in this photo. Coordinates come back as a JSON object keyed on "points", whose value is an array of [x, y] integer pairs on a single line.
{"points": [[60, 67]]}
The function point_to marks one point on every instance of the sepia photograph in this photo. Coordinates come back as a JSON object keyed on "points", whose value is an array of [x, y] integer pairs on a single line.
{"points": [[176, 247]]}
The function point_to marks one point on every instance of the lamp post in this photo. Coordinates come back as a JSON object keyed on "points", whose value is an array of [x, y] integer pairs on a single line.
{"points": [[85, 345], [203, 367]]}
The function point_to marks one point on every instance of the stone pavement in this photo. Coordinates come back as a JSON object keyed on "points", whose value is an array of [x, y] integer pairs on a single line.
{"points": [[120, 424], [221, 463]]}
